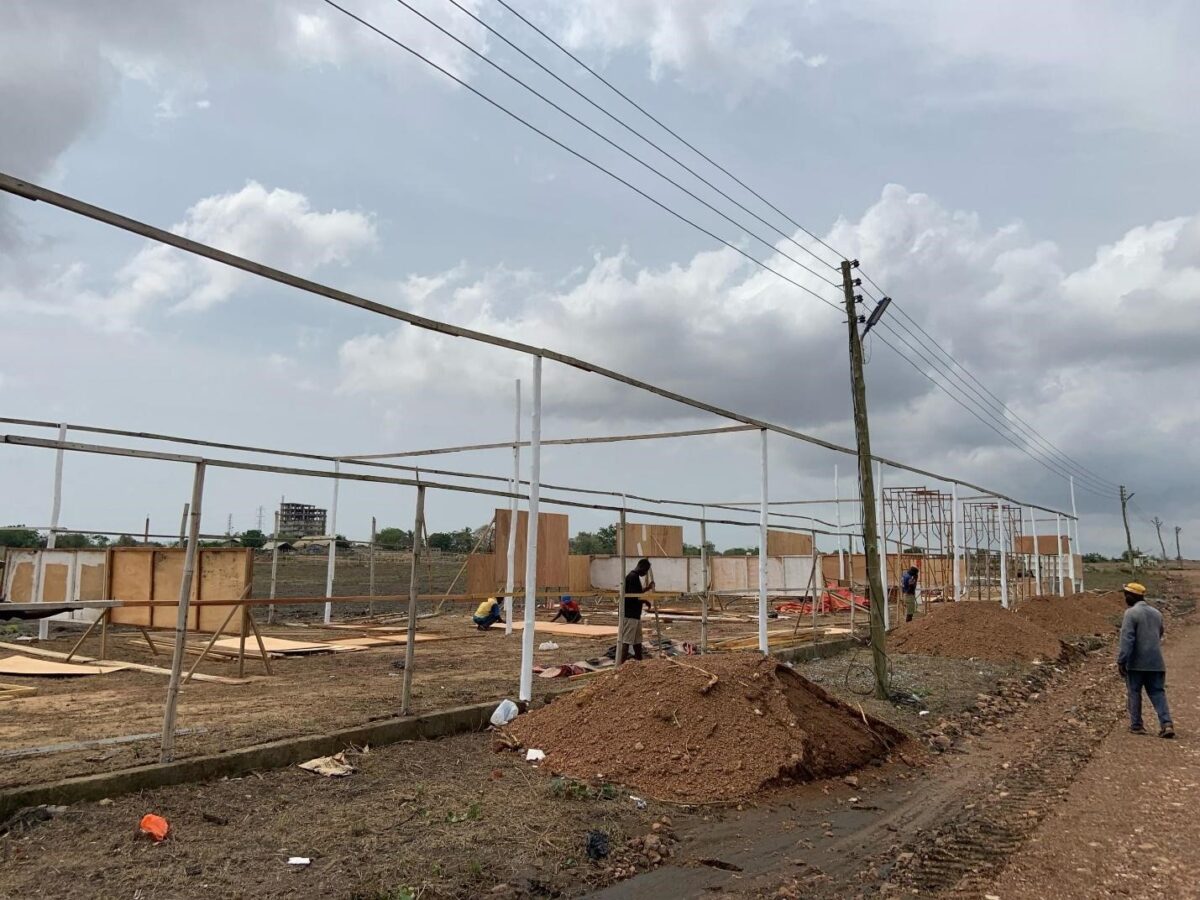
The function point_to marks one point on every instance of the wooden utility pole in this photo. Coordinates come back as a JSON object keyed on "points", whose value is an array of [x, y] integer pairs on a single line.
{"points": [[1178, 552], [1125, 518], [1161, 546], [866, 484]]}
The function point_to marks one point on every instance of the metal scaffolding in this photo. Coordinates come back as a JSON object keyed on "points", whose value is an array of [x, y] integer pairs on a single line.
{"points": [[995, 571], [917, 524]]}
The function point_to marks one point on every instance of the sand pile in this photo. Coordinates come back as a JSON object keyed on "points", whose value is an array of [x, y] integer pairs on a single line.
{"points": [[1074, 616], [711, 728], [976, 630]]}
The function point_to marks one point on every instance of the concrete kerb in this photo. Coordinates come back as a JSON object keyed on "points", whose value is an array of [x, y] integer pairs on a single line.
{"points": [[290, 751]]}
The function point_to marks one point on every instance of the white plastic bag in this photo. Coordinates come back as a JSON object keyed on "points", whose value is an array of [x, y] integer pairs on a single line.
{"points": [[547, 645], [505, 713]]}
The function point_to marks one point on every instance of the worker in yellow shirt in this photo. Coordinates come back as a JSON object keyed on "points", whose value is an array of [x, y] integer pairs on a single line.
{"points": [[487, 614]]}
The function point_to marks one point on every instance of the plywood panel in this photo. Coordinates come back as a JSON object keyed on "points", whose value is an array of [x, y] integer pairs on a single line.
{"points": [[54, 582], [554, 548], [224, 574], [648, 539], [481, 574], [89, 583], [167, 569], [21, 582], [1045, 543], [731, 573], [130, 579], [789, 543], [564, 628], [579, 580]]}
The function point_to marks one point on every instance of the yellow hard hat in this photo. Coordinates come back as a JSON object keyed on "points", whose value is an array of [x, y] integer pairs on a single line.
{"points": [[1134, 588]]}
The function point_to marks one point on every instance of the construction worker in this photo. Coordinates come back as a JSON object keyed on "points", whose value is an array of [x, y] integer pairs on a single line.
{"points": [[631, 628], [487, 614], [568, 610], [908, 587], [1140, 660]]}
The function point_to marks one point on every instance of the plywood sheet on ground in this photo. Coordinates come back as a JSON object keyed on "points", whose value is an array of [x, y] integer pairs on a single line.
{"points": [[23, 665], [564, 628], [789, 543], [364, 643], [274, 645], [645, 539], [553, 546]]}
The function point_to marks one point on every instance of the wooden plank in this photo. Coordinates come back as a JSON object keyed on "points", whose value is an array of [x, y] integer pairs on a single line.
{"points": [[155, 670], [554, 549], [649, 539], [26, 667], [363, 643], [13, 691], [279, 646], [789, 543]]}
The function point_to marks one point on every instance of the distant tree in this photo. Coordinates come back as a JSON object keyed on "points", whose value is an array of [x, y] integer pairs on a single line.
{"points": [[252, 538], [100, 540], [1094, 558], [72, 541], [393, 539], [601, 542], [453, 541], [740, 551], [693, 550], [126, 541], [20, 536]]}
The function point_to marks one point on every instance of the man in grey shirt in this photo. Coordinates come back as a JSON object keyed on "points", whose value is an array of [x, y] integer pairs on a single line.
{"points": [[1140, 660]]}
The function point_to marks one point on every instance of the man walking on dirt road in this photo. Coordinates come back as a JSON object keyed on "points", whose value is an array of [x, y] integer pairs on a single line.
{"points": [[1140, 660]]}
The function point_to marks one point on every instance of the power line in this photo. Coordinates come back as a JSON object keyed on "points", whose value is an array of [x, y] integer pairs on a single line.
{"points": [[508, 112], [667, 129], [1054, 468], [1071, 464], [507, 74]]}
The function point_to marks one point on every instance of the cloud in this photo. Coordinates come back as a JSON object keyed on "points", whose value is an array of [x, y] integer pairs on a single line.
{"points": [[713, 44], [1069, 350], [277, 227], [1095, 58]]}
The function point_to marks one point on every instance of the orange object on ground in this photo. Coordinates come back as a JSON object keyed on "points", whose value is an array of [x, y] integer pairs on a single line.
{"points": [[155, 826]]}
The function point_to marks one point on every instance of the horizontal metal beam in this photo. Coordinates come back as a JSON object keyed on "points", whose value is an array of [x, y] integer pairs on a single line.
{"points": [[37, 193]]}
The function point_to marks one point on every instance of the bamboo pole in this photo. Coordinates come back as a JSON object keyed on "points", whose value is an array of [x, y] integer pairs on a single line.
{"points": [[185, 595], [410, 640]]}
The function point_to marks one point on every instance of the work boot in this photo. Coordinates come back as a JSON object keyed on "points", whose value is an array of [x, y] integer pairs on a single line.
{"points": [[1137, 729], [1167, 731]]}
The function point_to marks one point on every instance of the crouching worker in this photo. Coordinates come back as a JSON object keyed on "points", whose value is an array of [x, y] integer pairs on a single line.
{"points": [[1140, 661], [631, 628], [487, 614], [568, 610]]}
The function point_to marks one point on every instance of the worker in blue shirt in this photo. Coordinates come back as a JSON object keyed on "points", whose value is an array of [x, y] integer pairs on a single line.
{"points": [[908, 588], [1140, 660]]}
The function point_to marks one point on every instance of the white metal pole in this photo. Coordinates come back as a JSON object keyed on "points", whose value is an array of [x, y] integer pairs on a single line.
{"points": [[1060, 568], [1072, 544], [620, 657], [837, 502], [955, 524], [704, 584], [531, 535], [332, 565], [52, 538], [1003, 555], [762, 550], [1037, 557], [274, 569], [883, 569], [510, 578], [410, 639], [181, 620]]}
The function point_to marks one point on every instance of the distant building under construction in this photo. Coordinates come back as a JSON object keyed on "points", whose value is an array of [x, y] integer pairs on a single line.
{"points": [[300, 520]]}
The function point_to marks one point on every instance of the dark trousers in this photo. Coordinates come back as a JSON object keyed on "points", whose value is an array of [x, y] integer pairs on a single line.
{"points": [[486, 622], [1155, 684]]}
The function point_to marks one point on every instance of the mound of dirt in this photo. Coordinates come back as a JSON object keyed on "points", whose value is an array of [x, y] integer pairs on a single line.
{"points": [[976, 630], [713, 728], [1075, 616]]}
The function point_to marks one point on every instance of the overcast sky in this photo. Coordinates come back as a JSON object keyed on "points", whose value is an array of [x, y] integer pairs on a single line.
{"points": [[1020, 176]]}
